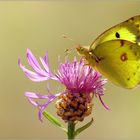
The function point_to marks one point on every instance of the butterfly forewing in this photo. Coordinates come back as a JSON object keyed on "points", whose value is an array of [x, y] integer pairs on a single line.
{"points": [[128, 30]]}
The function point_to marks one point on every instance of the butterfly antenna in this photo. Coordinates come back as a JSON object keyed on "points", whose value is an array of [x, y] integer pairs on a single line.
{"points": [[66, 37], [68, 51]]}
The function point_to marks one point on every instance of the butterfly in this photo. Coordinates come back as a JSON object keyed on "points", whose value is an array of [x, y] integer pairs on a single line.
{"points": [[116, 53]]}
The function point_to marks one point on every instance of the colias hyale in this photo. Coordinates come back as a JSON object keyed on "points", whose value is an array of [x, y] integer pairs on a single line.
{"points": [[116, 53]]}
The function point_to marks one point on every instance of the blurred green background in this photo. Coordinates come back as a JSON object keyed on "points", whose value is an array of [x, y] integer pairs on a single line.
{"points": [[39, 25]]}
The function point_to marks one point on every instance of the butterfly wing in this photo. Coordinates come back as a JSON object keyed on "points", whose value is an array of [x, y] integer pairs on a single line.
{"points": [[119, 61], [127, 30]]}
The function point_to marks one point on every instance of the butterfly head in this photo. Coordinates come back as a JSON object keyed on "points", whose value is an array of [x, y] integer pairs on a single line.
{"points": [[88, 55], [82, 50]]}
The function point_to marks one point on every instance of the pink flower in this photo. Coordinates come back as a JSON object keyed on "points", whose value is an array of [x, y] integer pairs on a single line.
{"points": [[75, 76]]}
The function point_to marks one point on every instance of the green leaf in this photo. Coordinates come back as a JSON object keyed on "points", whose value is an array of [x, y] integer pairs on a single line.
{"points": [[79, 130], [53, 120]]}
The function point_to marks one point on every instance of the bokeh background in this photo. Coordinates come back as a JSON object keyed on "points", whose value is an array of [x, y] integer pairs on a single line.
{"points": [[39, 25]]}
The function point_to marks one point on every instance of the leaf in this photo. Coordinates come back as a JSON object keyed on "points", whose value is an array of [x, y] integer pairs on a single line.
{"points": [[79, 130], [53, 120]]}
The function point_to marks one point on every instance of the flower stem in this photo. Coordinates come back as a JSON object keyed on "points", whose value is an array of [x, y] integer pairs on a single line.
{"points": [[71, 130]]}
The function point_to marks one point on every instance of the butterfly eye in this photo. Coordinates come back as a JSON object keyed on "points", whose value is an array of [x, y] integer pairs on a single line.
{"points": [[81, 50]]}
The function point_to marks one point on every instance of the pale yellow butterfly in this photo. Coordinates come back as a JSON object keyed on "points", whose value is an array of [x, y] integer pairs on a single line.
{"points": [[116, 53]]}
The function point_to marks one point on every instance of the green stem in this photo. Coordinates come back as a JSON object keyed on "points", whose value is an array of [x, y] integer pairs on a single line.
{"points": [[71, 130]]}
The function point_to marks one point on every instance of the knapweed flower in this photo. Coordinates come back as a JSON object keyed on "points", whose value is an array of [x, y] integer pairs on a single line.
{"points": [[81, 84]]}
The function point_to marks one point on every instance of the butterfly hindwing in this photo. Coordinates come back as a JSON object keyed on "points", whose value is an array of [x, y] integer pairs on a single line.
{"points": [[119, 62]]}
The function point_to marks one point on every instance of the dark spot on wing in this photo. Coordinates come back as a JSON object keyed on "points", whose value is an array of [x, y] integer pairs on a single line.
{"points": [[124, 57], [117, 35], [137, 25], [138, 31], [122, 42], [128, 78], [138, 67], [134, 73], [135, 53], [132, 18], [130, 47], [138, 37]]}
